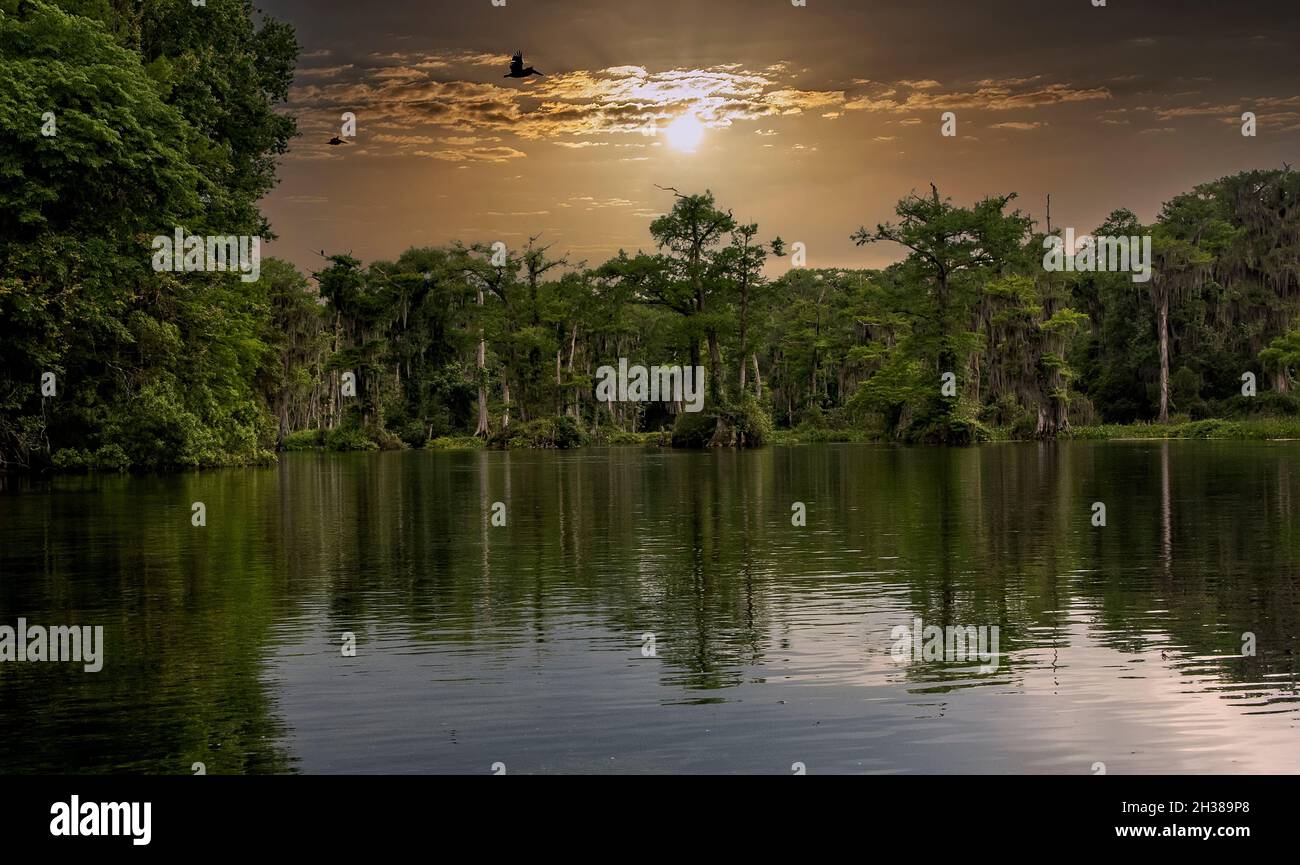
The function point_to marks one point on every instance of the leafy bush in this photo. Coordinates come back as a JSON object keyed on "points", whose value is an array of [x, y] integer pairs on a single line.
{"points": [[548, 432], [622, 437], [412, 432], [71, 460], [741, 424], [941, 422], [385, 440], [812, 418], [1262, 429], [810, 435], [1209, 429], [1024, 427], [1005, 411], [303, 440], [952, 430], [751, 424], [1267, 403], [349, 439], [111, 458], [694, 429], [567, 432], [454, 443]]}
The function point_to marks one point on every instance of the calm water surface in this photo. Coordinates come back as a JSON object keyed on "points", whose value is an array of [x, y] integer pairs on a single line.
{"points": [[522, 644]]}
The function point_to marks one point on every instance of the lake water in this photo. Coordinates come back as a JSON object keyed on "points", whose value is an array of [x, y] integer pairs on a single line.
{"points": [[773, 644]]}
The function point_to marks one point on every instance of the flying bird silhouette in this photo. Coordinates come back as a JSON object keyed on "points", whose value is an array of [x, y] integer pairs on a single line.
{"points": [[336, 140], [517, 68]]}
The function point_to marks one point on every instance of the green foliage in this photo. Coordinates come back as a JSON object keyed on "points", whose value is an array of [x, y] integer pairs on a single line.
{"points": [[1264, 404], [1023, 428], [110, 458], [748, 423], [154, 370], [1282, 356], [694, 429], [1264, 429], [813, 435], [167, 121], [946, 425], [157, 428], [303, 440], [621, 437], [551, 432], [350, 438], [1210, 429], [454, 443], [742, 423], [107, 458], [71, 459]]}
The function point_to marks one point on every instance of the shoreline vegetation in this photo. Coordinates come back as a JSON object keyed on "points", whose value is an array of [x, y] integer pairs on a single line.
{"points": [[109, 363], [1259, 429]]}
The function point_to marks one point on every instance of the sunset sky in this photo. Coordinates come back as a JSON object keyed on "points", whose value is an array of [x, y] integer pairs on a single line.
{"points": [[810, 121]]}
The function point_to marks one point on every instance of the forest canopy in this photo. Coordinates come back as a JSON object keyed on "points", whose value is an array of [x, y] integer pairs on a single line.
{"points": [[162, 124]]}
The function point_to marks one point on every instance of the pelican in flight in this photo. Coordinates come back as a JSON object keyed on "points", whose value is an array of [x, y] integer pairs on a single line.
{"points": [[517, 68]]}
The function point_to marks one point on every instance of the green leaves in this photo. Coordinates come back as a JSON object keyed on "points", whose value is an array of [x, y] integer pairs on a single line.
{"points": [[159, 368]]}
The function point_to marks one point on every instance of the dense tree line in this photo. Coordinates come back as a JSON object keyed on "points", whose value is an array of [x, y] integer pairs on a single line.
{"points": [[165, 124], [447, 342], [118, 122]]}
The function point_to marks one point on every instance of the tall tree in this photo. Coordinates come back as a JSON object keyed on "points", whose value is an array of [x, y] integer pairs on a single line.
{"points": [[690, 232]]}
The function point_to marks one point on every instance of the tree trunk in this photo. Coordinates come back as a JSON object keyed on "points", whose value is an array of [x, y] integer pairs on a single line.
{"points": [[715, 361], [575, 409], [482, 429], [1162, 324], [744, 328]]}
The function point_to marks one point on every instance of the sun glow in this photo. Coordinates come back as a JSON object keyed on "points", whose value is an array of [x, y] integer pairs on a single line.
{"points": [[685, 133]]}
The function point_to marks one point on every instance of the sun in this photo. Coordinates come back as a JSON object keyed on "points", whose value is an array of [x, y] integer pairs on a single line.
{"points": [[685, 133]]}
